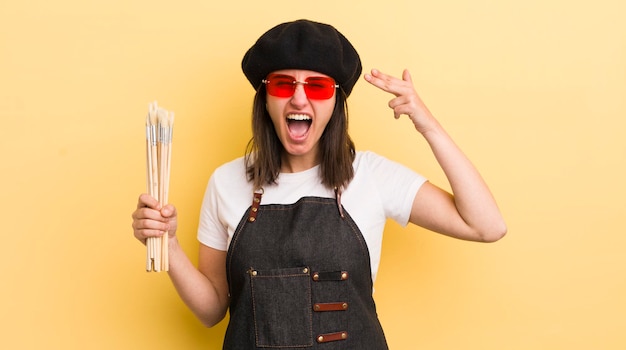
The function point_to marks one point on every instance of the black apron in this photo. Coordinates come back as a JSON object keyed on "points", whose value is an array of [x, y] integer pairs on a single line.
{"points": [[299, 277]]}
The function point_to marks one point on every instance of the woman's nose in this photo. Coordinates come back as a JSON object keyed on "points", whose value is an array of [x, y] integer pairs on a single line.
{"points": [[299, 95]]}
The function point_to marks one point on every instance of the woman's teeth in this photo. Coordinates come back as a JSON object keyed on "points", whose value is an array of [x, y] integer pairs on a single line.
{"points": [[300, 117]]}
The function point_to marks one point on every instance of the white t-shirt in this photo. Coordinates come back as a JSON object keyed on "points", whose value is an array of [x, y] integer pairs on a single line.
{"points": [[380, 189]]}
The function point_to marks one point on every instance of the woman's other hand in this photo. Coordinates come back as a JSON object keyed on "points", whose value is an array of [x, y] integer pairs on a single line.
{"points": [[152, 220]]}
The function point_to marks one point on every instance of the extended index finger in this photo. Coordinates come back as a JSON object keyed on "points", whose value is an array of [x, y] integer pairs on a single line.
{"points": [[386, 82]]}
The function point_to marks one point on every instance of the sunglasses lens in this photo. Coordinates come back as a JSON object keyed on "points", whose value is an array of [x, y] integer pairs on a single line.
{"points": [[280, 85], [316, 88], [319, 88]]}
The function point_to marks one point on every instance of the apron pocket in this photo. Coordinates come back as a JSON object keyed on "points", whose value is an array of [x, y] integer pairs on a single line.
{"points": [[281, 303]]}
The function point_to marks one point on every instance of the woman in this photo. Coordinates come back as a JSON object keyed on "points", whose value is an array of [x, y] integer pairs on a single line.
{"points": [[290, 234]]}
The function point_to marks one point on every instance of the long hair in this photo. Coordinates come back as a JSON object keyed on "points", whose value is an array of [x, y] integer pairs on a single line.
{"points": [[263, 153]]}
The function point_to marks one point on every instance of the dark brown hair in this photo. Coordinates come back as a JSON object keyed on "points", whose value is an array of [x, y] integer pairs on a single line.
{"points": [[263, 153]]}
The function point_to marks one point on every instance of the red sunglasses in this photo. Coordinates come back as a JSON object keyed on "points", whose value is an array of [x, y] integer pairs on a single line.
{"points": [[315, 88]]}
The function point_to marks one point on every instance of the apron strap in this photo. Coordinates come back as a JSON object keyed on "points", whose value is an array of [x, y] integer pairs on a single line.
{"points": [[256, 202]]}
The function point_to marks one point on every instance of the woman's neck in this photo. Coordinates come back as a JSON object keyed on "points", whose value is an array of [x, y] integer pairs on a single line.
{"points": [[297, 163]]}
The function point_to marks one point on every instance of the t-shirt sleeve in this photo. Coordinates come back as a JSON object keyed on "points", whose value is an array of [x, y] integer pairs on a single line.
{"points": [[211, 231], [397, 186]]}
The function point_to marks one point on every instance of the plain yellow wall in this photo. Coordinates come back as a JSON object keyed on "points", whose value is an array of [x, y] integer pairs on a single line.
{"points": [[534, 92]]}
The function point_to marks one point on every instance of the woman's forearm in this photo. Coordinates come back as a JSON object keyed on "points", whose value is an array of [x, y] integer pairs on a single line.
{"points": [[472, 197], [207, 299]]}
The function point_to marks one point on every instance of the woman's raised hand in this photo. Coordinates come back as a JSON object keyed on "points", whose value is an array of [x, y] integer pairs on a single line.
{"points": [[406, 100]]}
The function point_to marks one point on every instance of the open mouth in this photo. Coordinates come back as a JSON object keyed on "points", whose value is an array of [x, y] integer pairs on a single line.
{"points": [[298, 124]]}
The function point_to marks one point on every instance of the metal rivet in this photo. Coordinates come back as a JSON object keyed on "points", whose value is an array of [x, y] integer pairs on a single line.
{"points": [[253, 273], [320, 339], [255, 210], [344, 305], [316, 276], [344, 335], [256, 200], [344, 276], [305, 270], [251, 219], [317, 307]]}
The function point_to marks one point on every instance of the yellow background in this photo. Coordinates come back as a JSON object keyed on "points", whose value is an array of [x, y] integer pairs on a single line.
{"points": [[534, 92]]}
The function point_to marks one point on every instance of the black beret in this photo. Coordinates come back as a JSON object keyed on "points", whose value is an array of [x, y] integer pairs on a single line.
{"points": [[303, 44]]}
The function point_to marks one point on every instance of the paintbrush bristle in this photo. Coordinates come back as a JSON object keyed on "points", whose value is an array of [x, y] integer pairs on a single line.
{"points": [[153, 115], [162, 116]]}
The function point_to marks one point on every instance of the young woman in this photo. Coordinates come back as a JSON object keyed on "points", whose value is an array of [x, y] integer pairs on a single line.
{"points": [[290, 234]]}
